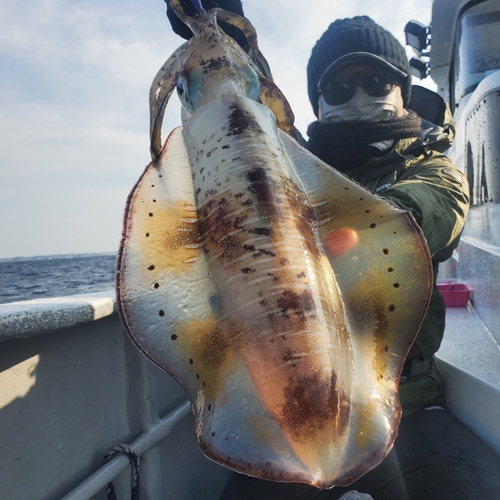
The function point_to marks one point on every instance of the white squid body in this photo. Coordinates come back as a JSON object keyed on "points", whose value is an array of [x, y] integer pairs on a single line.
{"points": [[291, 361]]}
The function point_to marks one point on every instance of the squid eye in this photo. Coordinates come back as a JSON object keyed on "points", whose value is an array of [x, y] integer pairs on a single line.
{"points": [[250, 81], [184, 94], [181, 88]]}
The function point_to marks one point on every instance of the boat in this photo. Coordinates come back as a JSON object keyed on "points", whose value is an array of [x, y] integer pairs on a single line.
{"points": [[461, 51], [79, 404]]}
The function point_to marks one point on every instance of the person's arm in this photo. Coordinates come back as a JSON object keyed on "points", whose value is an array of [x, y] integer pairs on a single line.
{"points": [[436, 193]]}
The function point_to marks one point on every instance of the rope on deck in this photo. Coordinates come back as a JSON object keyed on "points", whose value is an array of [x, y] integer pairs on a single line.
{"points": [[134, 470]]}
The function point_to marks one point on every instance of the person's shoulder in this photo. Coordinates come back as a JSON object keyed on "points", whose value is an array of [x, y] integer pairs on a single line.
{"points": [[437, 132], [434, 166]]}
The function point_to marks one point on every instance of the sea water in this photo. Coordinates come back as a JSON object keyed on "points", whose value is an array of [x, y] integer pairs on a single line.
{"points": [[55, 276]]}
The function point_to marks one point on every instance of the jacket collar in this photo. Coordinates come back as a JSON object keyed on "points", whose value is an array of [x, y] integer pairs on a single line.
{"points": [[431, 137]]}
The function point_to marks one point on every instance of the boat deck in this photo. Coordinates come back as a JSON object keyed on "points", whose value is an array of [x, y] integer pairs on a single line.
{"points": [[73, 386], [469, 359]]}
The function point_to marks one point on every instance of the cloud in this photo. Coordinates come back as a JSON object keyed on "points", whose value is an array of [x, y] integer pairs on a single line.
{"points": [[74, 104], [74, 119]]}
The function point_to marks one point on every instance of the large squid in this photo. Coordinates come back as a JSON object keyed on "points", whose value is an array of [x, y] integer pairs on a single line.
{"points": [[283, 296]]}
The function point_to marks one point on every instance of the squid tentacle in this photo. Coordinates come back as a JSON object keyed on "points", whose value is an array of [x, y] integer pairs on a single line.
{"points": [[270, 95], [248, 30], [159, 95]]}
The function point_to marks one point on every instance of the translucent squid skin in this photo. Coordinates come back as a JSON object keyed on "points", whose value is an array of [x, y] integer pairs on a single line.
{"points": [[290, 357], [259, 234]]}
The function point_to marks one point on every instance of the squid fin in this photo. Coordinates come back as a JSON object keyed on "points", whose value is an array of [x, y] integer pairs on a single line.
{"points": [[382, 267], [170, 307]]}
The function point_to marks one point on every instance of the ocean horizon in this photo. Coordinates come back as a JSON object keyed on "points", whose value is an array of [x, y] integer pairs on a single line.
{"points": [[56, 256], [27, 278]]}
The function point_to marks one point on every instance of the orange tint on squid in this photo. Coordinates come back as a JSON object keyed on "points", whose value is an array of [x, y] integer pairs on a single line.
{"points": [[340, 241]]}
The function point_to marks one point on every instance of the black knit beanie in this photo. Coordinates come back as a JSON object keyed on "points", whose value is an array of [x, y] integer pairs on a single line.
{"points": [[359, 34], [231, 5]]}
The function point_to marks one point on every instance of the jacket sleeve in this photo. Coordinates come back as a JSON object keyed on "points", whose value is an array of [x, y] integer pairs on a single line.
{"points": [[436, 193]]}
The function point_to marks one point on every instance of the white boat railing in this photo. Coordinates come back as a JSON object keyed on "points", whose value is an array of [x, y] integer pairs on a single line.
{"points": [[108, 472], [39, 316]]}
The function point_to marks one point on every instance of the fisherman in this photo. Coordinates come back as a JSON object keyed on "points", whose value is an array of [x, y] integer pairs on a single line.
{"points": [[359, 85]]}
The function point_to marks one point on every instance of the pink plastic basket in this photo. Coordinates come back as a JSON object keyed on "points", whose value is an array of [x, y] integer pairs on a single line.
{"points": [[454, 294]]}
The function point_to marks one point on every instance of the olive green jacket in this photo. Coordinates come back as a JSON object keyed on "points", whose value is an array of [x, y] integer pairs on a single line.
{"points": [[416, 176]]}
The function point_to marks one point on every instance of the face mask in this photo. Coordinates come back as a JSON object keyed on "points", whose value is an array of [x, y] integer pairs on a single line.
{"points": [[361, 107]]}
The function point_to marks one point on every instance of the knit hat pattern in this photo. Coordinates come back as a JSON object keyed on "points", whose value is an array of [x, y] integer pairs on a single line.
{"points": [[357, 34]]}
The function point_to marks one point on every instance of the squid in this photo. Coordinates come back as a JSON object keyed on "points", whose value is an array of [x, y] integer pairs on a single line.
{"points": [[281, 295]]}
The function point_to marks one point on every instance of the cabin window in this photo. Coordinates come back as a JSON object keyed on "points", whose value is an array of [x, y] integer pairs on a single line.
{"points": [[478, 47]]}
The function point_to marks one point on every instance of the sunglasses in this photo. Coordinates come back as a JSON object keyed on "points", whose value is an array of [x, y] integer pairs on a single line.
{"points": [[375, 85]]}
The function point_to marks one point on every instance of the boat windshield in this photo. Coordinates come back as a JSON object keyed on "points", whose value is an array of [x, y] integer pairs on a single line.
{"points": [[478, 47]]}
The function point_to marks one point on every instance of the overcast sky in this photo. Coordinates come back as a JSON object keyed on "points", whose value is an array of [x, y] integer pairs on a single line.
{"points": [[75, 77]]}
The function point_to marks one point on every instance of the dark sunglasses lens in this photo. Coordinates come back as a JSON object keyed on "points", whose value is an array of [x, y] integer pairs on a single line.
{"points": [[379, 85], [335, 93], [375, 85]]}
